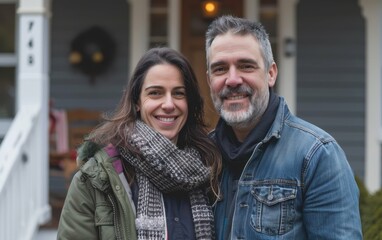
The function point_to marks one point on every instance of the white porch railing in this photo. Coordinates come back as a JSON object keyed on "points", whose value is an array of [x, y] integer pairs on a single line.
{"points": [[23, 178]]}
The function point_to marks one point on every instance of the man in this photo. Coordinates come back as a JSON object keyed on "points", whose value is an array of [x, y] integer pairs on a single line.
{"points": [[283, 178]]}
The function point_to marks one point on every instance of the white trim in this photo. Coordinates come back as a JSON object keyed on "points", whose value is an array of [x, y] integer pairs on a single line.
{"points": [[372, 11], [139, 30], [287, 64], [174, 24], [36, 7]]}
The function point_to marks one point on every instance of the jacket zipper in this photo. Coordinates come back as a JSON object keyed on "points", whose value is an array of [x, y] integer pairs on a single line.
{"points": [[115, 212], [234, 211]]}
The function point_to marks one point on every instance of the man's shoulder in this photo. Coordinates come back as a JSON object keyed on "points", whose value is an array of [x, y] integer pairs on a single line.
{"points": [[287, 123], [305, 127]]}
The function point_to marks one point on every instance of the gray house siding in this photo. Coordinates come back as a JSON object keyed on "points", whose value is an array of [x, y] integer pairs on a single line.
{"points": [[70, 88], [331, 74]]}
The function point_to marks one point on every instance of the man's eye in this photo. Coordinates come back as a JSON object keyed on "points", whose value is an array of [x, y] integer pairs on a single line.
{"points": [[247, 67], [218, 70]]}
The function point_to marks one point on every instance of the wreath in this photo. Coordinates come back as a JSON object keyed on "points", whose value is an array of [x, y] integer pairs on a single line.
{"points": [[92, 51]]}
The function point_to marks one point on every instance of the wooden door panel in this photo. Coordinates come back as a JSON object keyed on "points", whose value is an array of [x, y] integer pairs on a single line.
{"points": [[194, 26]]}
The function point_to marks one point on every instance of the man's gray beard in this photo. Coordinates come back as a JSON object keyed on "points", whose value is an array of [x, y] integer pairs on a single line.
{"points": [[243, 119]]}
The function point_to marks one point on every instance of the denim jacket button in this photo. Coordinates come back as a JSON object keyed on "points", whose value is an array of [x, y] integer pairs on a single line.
{"points": [[242, 205], [270, 197]]}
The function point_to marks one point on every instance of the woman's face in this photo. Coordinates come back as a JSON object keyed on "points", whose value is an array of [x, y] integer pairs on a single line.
{"points": [[162, 102]]}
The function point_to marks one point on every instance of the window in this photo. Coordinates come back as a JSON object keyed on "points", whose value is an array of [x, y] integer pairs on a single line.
{"points": [[8, 65], [7, 92], [158, 23]]}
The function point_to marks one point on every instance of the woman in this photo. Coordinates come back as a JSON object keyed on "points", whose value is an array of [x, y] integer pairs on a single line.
{"points": [[145, 172]]}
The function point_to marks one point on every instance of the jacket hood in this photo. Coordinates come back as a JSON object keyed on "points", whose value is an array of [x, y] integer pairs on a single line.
{"points": [[91, 159], [85, 151]]}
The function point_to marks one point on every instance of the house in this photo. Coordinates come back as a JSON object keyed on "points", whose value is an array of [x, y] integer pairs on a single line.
{"points": [[329, 55]]}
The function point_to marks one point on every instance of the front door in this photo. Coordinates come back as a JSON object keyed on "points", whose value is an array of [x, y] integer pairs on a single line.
{"points": [[194, 26]]}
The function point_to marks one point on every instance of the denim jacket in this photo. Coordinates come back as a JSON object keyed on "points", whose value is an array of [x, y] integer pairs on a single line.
{"points": [[296, 185]]}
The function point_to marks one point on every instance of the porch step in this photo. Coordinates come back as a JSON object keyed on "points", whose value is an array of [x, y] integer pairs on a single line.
{"points": [[46, 234]]}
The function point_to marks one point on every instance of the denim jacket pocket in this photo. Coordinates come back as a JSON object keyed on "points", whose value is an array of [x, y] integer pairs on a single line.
{"points": [[274, 206]]}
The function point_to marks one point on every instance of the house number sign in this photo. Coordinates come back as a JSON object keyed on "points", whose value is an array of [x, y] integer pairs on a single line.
{"points": [[31, 43], [31, 39]]}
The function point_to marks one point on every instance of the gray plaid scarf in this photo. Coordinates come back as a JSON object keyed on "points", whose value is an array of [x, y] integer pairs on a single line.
{"points": [[162, 167]]}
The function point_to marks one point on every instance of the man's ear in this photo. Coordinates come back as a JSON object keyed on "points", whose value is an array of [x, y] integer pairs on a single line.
{"points": [[272, 75]]}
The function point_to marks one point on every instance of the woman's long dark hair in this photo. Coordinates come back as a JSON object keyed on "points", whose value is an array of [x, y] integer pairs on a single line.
{"points": [[193, 133]]}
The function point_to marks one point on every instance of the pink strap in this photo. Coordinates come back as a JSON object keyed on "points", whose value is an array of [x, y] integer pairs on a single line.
{"points": [[112, 152]]}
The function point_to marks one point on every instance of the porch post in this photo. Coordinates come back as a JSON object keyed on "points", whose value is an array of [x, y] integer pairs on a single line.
{"points": [[173, 24], [33, 85], [139, 30], [287, 47], [251, 9], [372, 11]]}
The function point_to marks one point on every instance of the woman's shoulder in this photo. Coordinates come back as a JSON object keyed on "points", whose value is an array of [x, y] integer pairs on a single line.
{"points": [[90, 150], [91, 156], [87, 150], [96, 164]]}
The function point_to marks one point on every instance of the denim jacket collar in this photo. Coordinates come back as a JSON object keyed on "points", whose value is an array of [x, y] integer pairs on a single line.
{"points": [[277, 126]]}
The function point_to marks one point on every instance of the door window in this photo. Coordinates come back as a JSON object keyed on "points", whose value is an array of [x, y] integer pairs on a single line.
{"points": [[268, 17]]}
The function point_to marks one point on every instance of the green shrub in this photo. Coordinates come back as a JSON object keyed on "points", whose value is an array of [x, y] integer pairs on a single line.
{"points": [[371, 212]]}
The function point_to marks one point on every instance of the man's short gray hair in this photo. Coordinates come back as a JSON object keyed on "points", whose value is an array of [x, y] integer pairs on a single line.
{"points": [[240, 26]]}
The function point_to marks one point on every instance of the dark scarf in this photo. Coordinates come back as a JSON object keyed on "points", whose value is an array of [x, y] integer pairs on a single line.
{"points": [[162, 167], [236, 154]]}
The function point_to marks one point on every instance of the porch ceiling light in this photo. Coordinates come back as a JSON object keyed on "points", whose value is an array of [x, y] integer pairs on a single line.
{"points": [[210, 9]]}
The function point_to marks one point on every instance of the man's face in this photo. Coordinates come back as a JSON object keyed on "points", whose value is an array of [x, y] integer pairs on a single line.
{"points": [[238, 79]]}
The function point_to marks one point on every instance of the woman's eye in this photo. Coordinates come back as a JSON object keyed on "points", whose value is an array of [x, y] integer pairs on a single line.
{"points": [[154, 93], [179, 94]]}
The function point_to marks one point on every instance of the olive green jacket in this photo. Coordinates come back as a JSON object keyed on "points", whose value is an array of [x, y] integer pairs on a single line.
{"points": [[97, 205]]}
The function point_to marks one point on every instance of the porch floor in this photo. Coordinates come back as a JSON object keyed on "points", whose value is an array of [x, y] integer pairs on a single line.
{"points": [[46, 234]]}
